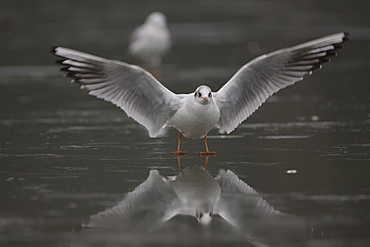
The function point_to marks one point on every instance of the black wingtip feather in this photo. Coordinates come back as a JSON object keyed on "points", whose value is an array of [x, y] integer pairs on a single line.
{"points": [[53, 49], [325, 60], [315, 66], [332, 53], [338, 46], [64, 69], [59, 61], [71, 74], [346, 36]]}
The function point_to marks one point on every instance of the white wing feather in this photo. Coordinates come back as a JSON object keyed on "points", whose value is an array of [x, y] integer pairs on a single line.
{"points": [[129, 87]]}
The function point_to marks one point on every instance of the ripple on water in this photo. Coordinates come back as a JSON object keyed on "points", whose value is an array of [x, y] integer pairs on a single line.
{"points": [[281, 137]]}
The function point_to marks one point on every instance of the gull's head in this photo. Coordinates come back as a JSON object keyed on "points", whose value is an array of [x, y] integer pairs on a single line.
{"points": [[204, 211], [157, 18], [203, 95], [204, 217]]}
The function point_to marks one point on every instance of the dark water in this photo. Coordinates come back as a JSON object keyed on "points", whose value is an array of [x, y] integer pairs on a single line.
{"points": [[65, 156]]}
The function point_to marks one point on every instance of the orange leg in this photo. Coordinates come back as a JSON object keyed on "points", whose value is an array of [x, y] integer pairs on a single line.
{"points": [[178, 151], [179, 163], [207, 152], [206, 163]]}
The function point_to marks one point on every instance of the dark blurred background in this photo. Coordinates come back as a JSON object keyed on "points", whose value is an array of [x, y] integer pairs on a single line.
{"points": [[65, 156], [239, 29], [206, 34]]}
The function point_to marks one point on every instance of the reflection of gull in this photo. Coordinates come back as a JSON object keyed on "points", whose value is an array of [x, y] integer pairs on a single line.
{"points": [[151, 41], [151, 104], [193, 192]]}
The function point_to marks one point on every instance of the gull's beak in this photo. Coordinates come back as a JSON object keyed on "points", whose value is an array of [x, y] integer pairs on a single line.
{"points": [[205, 98]]}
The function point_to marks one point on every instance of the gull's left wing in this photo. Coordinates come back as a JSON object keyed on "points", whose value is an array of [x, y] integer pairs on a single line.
{"points": [[250, 87]]}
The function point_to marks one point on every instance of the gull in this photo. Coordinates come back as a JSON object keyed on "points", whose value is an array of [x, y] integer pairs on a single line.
{"points": [[151, 104], [195, 192], [151, 41]]}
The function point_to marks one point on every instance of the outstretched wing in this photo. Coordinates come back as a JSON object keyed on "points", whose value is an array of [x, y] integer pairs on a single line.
{"points": [[250, 87], [240, 203], [129, 87], [248, 212], [151, 204]]}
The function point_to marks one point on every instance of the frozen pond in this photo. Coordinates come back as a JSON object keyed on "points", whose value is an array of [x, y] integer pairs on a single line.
{"points": [[65, 156]]}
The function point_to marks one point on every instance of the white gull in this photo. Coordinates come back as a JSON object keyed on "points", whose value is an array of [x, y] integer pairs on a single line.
{"points": [[150, 42], [154, 106]]}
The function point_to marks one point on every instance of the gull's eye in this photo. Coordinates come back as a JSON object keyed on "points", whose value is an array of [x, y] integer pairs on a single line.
{"points": [[195, 94], [209, 95], [210, 214], [200, 215], [199, 94]]}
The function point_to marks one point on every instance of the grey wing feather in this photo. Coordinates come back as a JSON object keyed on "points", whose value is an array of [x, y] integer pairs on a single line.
{"points": [[147, 207], [250, 87], [129, 87]]}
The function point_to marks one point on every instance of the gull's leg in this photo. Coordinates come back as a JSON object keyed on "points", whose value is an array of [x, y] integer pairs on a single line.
{"points": [[178, 151], [179, 163], [207, 152], [206, 163]]}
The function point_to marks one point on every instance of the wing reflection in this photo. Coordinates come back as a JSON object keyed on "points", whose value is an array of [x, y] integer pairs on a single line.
{"points": [[194, 191]]}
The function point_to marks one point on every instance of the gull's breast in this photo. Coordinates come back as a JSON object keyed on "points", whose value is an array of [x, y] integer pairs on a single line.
{"points": [[195, 120]]}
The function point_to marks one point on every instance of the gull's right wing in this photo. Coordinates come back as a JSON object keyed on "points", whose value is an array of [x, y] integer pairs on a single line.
{"points": [[127, 86]]}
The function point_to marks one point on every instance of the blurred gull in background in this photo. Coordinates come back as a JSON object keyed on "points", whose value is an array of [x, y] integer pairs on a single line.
{"points": [[150, 42]]}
